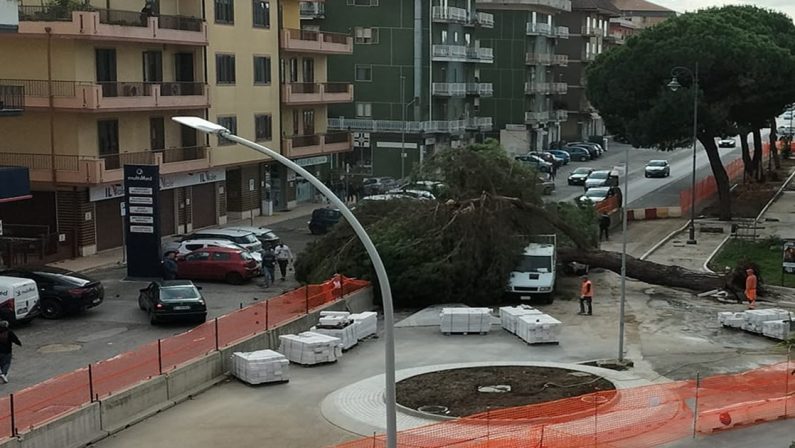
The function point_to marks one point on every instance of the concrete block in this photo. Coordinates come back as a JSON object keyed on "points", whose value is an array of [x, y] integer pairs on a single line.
{"points": [[261, 341], [74, 429], [361, 300], [126, 408], [194, 377]]}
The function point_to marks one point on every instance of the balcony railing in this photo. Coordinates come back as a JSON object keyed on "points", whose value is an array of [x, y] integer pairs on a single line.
{"points": [[449, 14], [479, 123], [589, 56], [317, 144], [449, 89], [75, 169], [560, 5], [542, 88], [562, 32], [560, 59], [313, 10], [538, 59], [481, 88], [297, 93], [316, 42], [540, 29], [559, 88], [460, 53], [389, 126], [591, 31], [536, 117], [111, 96], [484, 19], [12, 99], [84, 21], [559, 115]]}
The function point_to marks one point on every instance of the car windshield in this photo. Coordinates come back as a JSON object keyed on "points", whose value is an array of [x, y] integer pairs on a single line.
{"points": [[170, 293], [596, 193], [599, 175], [534, 263], [581, 171], [658, 163]]}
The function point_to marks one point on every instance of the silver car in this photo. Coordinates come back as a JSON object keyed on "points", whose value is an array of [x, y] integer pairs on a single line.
{"points": [[243, 238]]}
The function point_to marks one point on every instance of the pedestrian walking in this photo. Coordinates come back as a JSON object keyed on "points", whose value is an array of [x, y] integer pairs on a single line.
{"points": [[554, 172], [283, 257], [604, 227], [269, 266], [750, 288], [7, 337], [586, 296], [170, 266]]}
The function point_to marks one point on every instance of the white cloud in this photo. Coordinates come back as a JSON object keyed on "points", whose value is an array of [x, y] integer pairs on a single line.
{"points": [[785, 6]]}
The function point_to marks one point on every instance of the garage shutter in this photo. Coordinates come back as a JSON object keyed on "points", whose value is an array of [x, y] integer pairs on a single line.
{"points": [[109, 224], [203, 204], [167, 221]]}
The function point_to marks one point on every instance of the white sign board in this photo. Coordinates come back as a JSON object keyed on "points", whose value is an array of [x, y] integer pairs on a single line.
{"points": [[789, 257]]}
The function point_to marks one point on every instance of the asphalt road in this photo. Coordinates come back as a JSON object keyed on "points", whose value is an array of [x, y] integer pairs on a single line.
{"points": [[52, 347]]}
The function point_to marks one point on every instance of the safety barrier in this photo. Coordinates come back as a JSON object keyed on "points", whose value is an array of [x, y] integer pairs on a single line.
{"points": [[640, 417], [37, 405]]}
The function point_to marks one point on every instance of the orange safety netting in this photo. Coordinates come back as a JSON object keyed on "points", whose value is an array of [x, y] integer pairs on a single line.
{"points": [[640, 417], [41, 403]]}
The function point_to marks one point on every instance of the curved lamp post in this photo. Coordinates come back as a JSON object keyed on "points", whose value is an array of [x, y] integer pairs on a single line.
{"points": [[674, 86], [208, 127]]}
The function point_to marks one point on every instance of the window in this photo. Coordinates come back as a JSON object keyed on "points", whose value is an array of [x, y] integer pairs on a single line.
{"points": [[229, 122], [362, 2], [262, 70], [444, 36], [364, 73], [364, 110], [309, 122], [263, 127], [364, 35], [225, 68], [221, 256], [225, 11], [262, 13], [198, 256]]}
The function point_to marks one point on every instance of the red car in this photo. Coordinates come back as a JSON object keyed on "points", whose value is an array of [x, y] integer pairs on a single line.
{"points": [[218, 263]]}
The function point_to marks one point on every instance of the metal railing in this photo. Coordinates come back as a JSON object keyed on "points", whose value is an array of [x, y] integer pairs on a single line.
{"points": [[337, 137], [336, 87], [539, 28], [480, 54], [482, 88], [440, 126], [560, 59], [51, 13], [562, 32], [538, 58], [304, 87], [182, 23], [41, 88], [313, 9], [485, 19], [111, 89], [181, 88], [559, 87], [591, 31], [450, 14], [302, 141], [532, 117], [537, 87], [173, 155], [449, 51], [449, 88], [123, 18], [317, 36], [12, 99], [559, 115]]}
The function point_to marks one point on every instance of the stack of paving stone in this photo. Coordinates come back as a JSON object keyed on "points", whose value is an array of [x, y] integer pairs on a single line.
{"points": [[510, 314], [538, 329], [731, 319], [263, 366], [776, 329], [465, 320], [347, 333], [310, 348], [366, 324], [770, 322], [755, 319]]}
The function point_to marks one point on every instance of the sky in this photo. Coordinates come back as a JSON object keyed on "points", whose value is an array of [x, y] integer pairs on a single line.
{"points": [[785, 6]]}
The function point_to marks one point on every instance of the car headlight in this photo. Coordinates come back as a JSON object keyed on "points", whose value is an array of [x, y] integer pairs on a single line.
{"points": [[544, 289]]}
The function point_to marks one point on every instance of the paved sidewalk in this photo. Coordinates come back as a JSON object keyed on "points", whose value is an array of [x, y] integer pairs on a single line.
{"points": [[677, 252], [779, 219], [642, 235], [113, 257]]}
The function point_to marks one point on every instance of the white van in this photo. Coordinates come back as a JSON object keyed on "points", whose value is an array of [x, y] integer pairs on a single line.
{"points": [[534, 277], [19, 299]]}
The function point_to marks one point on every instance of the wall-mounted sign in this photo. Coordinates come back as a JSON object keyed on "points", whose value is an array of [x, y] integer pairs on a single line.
{"points": [[167, 182], [311, 161], [789, 257], [142, 223]]}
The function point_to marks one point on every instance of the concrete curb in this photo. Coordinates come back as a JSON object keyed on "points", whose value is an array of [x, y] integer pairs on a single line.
{"points": [[642, 214], [660, 243]]}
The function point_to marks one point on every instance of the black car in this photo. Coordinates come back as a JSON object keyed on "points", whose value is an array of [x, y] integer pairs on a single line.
{"points": [[577, 153], [173, 300], [61, 291], [323, 219]]}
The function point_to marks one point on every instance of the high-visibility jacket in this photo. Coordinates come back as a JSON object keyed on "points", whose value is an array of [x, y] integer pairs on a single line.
{"points": [[586, 289], [750, 287]]}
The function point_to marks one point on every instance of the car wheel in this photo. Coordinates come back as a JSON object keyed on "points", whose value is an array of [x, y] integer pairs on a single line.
{"points": [[141, 303], [51, 309], [314, 230], [647, 175], [234, 278], [201, 319]]}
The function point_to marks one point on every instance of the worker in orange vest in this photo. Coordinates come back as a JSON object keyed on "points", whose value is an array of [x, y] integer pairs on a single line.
{"points": [[750, 288], [586, 295]]}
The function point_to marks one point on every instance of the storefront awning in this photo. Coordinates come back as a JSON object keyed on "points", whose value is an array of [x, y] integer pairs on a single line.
{"points": [[14, 184]]}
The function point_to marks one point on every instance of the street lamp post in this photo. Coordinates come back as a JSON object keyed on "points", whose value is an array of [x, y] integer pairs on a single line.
{"points": [[380, 271], [404, 107], [674, 86]]}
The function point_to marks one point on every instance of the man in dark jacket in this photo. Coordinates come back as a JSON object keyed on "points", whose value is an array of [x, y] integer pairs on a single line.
{"points": [[170, 266], [604, 226], [269, 266], [7, 337]]}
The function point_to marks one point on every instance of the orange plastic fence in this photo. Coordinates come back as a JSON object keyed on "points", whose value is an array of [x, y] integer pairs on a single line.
{"points": [[41, 403], [640, 417]]}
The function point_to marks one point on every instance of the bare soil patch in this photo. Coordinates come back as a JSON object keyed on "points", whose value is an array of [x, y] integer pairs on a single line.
{"points": [[458, 389]]}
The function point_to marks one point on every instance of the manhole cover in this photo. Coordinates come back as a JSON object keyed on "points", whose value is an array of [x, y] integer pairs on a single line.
{"points": [[58, 348], [433, 409], [498, 389]]}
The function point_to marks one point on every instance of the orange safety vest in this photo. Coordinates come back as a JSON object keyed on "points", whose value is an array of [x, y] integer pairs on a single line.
{"points": [[586, 289], [750, 287]]}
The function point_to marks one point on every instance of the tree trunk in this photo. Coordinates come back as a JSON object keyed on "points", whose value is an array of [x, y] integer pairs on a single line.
{"points": [[773, 137], [647, 271], [758, 172], [721, 178], [747, 163]]}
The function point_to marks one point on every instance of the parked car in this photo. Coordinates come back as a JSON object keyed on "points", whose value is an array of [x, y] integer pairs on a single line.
{"points": [[323, 219], [244, 238], [598, 194], [548, 157], [263, 234], [578, 176], [658, 168], [727, 143], [173, 300], [535, 162], [188, 246], [414, 194], [19, 299], [378, 185], [578, 153], [592, 150], [602, 178], [61, 292], [232, 265], [561, 154], [594, 145]]}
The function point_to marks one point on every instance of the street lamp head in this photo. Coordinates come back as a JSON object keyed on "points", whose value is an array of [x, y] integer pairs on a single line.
{"points": [[674, 84], [200, 124]]}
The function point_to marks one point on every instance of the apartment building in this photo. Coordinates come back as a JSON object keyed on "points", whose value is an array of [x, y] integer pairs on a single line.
{"points": [[527, 74], [642, 13], [416, 70], [588, 23]]}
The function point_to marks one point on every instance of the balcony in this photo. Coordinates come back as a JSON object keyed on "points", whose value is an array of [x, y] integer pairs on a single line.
{"points": [[450, 14], [539, 29], [111, 25], [562, 32], [547, 5], [484, 19], [480, 88], [299, 93], [538, 59], [589, 57], [591, 31], [460, 53], [112, 96], [312, 10], [559, 115], [616, 38], [536, 117], [395, 126], [82, 170], [479, 123], [313, 145], [449, 89], [305, 41], [560, 59], [12, 100], [532, 88]]}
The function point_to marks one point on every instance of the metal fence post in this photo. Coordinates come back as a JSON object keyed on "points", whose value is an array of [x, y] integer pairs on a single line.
{"points": [[786, 383], [306, 298], [13, 416], [90, 384], [595, 419], [216, 334], [267, 307], [159, 357], [695, 405]]}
